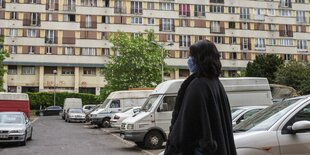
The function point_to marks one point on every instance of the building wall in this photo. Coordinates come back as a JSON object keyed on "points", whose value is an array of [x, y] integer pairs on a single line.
{"points": [[41, 35]]}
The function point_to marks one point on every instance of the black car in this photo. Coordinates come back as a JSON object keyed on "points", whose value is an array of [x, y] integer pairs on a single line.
{"points": [[49, 111]]}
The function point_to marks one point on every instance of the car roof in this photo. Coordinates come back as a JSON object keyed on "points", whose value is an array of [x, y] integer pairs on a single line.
{"points": [[250, 107]]}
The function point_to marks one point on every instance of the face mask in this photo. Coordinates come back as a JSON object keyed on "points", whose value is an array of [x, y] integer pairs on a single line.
{"points": [[191, 66]]}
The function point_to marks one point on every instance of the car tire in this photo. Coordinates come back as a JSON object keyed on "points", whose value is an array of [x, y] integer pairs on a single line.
{"points": [[106, 123], [30, 138], [23, 143], [153, 140], [41, 114]]}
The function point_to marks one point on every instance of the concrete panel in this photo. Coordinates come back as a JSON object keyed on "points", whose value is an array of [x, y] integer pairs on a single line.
{"points": [[61, 81], [24, 41], [23, 80], [94, 10], [25, 7], [93, 43], [64, 25], [160, 13], [192, 31], [281, 49], [280, 20], [304, 36]]}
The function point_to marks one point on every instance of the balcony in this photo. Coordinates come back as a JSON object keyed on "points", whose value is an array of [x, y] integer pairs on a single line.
{"points": [[70, 8], [51, 40], [259, 17], [120, 10]]}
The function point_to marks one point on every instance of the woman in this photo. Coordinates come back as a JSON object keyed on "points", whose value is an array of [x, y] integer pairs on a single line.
{"points": [[201, 122]]}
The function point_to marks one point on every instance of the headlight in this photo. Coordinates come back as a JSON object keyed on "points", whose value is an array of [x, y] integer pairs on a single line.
{"points": [[17, 131], [130, 126], [93, 115], [71, 116]]}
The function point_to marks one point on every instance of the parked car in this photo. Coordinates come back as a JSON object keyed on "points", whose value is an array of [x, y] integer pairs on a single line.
{"points": [[117, 119], [70, 103], [89, 113], [15, 127], [75, 114], [49, 111], [14, 102], [239, 114], [281, 129], [88, 107]]}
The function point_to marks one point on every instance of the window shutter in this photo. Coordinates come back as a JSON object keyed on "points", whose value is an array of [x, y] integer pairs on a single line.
{"points": [[38, 1], [117, 20], [241, 43], [56, 5], [290, 31], [38, 33], [39, 19], [82, 34], [37, 50], [250, 45], [26, 21], [94, 21], [222, 27], [25, 50], [55, 17], [56, 37], [54, 50], [173, 26], [24, 32], [68, 37], [160, 24], [83, 23], [162, 37], [124, 19], [281, 30], [303, 28]]}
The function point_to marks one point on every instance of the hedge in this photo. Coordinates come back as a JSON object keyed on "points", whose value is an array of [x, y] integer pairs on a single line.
{"points": [[45, 99]]}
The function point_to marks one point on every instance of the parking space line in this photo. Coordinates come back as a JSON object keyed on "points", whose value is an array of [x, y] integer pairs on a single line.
{"points": [[34, 119], [127, 142]]}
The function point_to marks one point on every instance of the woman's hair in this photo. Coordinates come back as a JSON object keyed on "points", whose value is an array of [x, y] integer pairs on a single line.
{"points": [[207, 58]]}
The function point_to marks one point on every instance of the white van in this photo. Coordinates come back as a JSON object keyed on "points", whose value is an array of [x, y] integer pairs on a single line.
{"points": [[150, 127], [116, 102], [71, 103]]}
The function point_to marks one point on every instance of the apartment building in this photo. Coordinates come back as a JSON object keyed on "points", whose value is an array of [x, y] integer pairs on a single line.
{"points": [[63, 43]]}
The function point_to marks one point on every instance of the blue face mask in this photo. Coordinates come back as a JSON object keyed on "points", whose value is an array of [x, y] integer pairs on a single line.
{"points": [[191, 66]]}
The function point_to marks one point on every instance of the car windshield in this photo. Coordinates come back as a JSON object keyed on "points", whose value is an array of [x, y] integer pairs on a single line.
{"points": [[75, 111], [104, 104], [264, 119], [235, 112], [149, 103], [11, 119]]}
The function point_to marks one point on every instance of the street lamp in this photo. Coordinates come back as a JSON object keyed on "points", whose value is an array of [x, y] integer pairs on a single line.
{"points": [[55, 73], [162, 55]]}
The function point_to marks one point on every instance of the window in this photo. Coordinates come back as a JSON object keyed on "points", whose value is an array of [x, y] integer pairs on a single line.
{"points": [[69, 51], [50, 34], [167, 24], [67, 70], [48, 50], [287, 57], [286, 42], [300, 1], [245, 43], [233, 40], [216, 9], [231, 25], [302, 45], [31, 50], [31, 33], [272, 41], [184, 41], [106, 51], [166, 6], [215, 27], [184, 10], [89, 2], [150, 5], [105, 35], [285, 3], [51, 4], [168, 104], [50, 17], [259, 43], [13, 15], [106, 19], [115, 104], [231, 10], [88, 21], [272, 27], [170, 37], [245, 26], [49, 69], [13, 32], [28, 70], [136, 7], [69, 5], [259, 14], [69, 17], [301, 18], [106, 3], [244, 13], [216, 1], [89, 71], [302, 115], [136, 20], [184, 22], [199, 11], [14, 1], [150, 21], [217, 39], [2, 2], [88, 51], [34, 19], [233, 55], [271, 12], [13, 49], [12, 70], [285, 13]]}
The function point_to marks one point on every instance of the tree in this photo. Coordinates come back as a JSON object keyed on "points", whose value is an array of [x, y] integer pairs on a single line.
{"points": [[3, 55], [296, 75], [136, 62], [264, 66]]}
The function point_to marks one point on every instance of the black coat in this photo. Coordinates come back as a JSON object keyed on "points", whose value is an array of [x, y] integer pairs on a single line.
{"points": [[203, 120]]}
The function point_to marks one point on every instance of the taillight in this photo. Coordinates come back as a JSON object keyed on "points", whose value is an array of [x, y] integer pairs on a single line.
{"points": [[116, 117]]}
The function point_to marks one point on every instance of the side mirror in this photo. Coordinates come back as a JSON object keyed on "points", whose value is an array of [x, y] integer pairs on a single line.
{"points": [[299, 126]]}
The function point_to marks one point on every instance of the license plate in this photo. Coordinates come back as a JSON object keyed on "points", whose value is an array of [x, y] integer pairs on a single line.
{"points": [[4, 136], [122, 136]]}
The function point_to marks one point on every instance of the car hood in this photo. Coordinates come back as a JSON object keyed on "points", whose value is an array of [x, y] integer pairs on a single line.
{"points": [[12, 127], [256, 139], [76, 114], [135, 118]]}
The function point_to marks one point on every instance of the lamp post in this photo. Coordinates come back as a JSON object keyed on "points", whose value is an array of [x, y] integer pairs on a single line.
{"points": [[55, 73], [162, 55]]}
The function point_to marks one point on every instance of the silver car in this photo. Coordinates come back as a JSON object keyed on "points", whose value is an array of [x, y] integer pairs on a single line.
{"points": [[75, 114], [15, 127], [239, 114]]}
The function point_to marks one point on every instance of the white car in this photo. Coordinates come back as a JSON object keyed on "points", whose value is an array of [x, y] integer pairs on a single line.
{"points": [[239, 114], [117, 119], [75, 114], [281, 129]]}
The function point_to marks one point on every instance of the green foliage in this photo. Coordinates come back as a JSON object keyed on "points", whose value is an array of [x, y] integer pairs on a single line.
{"points": [[45, 99], [136, 62], [296, 75], [3, 54], [264, 66]]}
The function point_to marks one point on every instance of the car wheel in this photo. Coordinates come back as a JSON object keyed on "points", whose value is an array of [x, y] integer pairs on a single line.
{"points": [[41, 114], [30, 138], [23, 143], [106, 123], [153, 140]]}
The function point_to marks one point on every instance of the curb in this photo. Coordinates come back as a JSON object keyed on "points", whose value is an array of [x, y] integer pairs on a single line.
{"points": [[34, 120], [127, 142]]}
